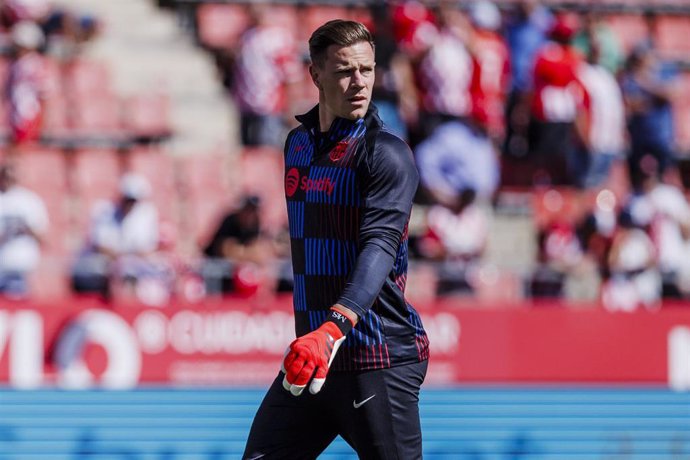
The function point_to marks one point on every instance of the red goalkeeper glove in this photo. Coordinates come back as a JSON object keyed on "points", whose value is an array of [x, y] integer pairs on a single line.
{"points": [[313, 353]]}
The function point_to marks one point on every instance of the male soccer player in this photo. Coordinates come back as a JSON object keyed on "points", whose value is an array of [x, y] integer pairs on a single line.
{"points": [[361, 348]]}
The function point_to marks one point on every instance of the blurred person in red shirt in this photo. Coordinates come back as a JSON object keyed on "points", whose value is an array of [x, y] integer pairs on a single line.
{"points": [[265, 73], [491, 69], [557, 97], [25, 83]]}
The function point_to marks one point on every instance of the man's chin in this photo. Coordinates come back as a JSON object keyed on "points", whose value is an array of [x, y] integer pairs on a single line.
{"points": [[357, 114]]}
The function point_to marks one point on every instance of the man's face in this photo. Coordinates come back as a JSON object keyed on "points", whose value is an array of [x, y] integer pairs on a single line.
{"points": [[345, 80]]}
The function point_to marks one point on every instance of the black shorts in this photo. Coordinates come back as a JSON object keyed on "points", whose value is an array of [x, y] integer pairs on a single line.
{"points": [[376, 412]]}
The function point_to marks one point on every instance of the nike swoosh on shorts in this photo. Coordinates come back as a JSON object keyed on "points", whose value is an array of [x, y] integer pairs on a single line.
{"points": [[357, 405]]}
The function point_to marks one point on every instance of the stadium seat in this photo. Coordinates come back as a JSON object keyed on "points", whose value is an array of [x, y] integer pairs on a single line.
{"points": [[55, 115], [44, 171], [220, 26], [96, 115], [672, 39], [147, 115], [159, 169], [629, 28], [205, 194], [95, 177], [89, 77], [681, 110], [262, 175], [313, 16], [285, 16]]}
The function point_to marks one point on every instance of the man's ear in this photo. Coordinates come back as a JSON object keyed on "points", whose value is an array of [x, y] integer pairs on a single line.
{"points": [[314, 72]]}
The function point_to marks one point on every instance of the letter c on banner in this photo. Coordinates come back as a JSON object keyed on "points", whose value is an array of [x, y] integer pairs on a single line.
{"points": [[119, 341]]}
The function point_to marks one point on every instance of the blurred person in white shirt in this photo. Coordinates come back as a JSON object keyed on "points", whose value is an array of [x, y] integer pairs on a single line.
{"points": [[664, 209], [601, 125], [633, 277], [23, 223], [121, 248], [456, 237], [265, 76]]}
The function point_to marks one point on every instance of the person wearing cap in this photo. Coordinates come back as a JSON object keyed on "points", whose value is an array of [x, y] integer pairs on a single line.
{"points": [[24, 86], [556, 100], [122, 238]]}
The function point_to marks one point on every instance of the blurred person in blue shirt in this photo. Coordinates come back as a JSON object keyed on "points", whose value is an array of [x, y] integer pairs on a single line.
{"points": [[648, 88], [526, 32]]}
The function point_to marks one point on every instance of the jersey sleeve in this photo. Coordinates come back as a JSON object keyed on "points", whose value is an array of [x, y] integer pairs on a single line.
{"points": [[392, 180]]}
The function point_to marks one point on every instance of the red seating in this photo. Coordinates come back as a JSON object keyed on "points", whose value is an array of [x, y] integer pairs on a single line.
{"points": [[629, 28], [87, 77], [55, 115], [44, 171], [96, 115], [672, 39], [313, 16], [285, 16], [95, 176], [159, 169], [147, 114], [205, 192], [220, 26], [262, 175]]}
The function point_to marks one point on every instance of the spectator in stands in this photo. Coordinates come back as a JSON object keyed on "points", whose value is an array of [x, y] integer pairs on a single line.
{"points": [[239, 253], [559, 256], [394, 92], [601, 124], [443, 72], [25, 83], [455, 158], [596, 32], [491, 73], [456, 238], [649, 89], [66, 32], [634, 280], [23, 224], [120, 253], [525, 34], [556, 103], [664, 210], [265, 74]]}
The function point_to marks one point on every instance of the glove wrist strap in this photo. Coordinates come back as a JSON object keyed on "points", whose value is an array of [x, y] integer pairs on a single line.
{"points": [[341, 321]]}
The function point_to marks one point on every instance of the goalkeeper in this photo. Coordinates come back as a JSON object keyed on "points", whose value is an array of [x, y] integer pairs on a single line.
{"points": [[361, 352]]}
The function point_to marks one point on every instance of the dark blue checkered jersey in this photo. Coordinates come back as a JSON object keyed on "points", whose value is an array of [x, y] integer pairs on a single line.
{"points": [[349, 195]]}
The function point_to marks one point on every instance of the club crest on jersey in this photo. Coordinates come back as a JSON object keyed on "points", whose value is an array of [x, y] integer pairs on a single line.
{"points": [[338, 151]]}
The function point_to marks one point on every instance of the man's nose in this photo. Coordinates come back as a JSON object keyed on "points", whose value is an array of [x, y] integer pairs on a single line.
{"points": [[358, 79]]}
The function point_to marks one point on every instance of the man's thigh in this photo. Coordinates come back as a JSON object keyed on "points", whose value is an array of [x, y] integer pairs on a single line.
{"points": [[289, 427], [380, 416]]}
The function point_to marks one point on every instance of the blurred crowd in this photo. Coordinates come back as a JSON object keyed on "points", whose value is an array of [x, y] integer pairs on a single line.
{"points": [[523, 97]]}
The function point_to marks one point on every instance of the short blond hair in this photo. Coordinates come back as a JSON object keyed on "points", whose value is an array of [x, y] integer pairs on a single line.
{"points": [[336, 32]]}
